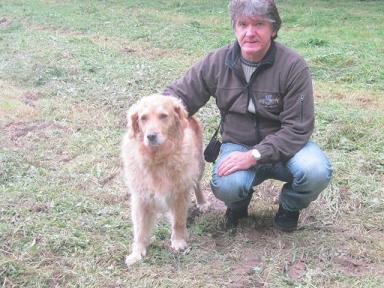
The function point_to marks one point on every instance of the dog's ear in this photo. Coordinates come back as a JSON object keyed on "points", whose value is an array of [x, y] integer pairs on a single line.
{"points": [[180, 110], [133, 122]]}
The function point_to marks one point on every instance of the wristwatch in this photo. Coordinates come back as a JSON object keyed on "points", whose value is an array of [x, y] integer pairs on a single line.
{"points": [[256, 154]]}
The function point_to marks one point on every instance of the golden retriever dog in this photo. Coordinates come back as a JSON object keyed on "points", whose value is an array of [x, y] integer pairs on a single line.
{"points": [[163, 165]]}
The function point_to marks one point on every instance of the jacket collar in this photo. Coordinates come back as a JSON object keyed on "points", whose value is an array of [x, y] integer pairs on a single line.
{"points": [[233, 57]]}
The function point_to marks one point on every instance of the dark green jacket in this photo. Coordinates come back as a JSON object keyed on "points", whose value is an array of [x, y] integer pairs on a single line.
{"points": [[280, 88]]}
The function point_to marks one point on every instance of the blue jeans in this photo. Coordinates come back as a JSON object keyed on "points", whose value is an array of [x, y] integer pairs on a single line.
{"points": [[306, 174]]}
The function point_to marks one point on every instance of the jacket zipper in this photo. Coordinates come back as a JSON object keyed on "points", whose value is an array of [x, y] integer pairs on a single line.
{"points": [[255, 115], [248, 85], [301, 108], [254, 102]]}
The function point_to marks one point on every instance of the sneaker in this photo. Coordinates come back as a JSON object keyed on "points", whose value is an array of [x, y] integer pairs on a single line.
{"points": [[232, 216], [286, 220]]}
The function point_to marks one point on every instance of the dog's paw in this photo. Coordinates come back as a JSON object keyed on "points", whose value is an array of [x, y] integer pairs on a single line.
{"points": [[203, 207], [138, 253], [133, 258], [179, 245]]}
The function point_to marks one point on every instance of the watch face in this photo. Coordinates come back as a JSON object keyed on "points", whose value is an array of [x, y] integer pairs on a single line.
{"points": [[256, 154]]}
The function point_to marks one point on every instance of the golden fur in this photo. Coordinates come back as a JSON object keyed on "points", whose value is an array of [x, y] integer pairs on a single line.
{"points": [[163, 164]]}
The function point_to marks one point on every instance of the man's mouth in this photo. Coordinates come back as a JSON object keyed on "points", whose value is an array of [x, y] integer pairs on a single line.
{"points": [[251, 42]]}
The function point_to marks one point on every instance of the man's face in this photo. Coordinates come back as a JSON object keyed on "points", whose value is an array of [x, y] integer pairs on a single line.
{"points": [[254, 35]]}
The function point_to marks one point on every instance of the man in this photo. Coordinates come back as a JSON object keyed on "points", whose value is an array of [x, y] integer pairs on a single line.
{"points": [[264, 92]]}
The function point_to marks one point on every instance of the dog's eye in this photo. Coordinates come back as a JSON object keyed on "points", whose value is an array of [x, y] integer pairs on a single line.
{"points": [[144, 118], [163, 116]]}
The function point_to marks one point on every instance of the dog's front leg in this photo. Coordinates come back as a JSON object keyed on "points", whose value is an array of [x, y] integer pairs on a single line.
{"points": [[179, 223], [142, 217]]}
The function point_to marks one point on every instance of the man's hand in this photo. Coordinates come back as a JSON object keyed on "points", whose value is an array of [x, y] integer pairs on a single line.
{"points": [[236, 161]]}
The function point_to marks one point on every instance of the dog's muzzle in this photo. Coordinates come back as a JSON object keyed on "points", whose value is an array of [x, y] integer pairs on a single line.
{"points": [[152, 138]]}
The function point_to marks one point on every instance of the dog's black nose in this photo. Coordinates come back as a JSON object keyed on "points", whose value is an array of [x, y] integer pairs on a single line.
{"points": [[152, 137]]}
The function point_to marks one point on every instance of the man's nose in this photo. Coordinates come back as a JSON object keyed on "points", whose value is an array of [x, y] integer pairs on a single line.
{"points": [[250, 31]]}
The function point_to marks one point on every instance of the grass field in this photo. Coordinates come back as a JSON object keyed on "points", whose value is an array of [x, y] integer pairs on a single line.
{"points": [[68, 72]]}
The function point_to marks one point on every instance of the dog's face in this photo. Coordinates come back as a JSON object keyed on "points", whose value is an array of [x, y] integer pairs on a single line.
{"points": [[156, 119]]}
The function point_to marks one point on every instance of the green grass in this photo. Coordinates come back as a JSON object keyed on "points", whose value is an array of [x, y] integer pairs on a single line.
{"points": [[68, 72]]}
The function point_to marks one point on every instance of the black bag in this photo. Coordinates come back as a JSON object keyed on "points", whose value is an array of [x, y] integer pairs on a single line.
{"points": [[213, 148]]}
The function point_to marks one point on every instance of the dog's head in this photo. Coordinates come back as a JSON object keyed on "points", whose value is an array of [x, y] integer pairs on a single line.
{"points": [[156, 119]]}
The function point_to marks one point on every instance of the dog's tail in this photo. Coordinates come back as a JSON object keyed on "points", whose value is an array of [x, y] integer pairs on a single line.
{"points": [[197, 131], [195, 126]]}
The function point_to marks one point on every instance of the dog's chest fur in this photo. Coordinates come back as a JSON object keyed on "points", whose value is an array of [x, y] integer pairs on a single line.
{"points": [[161, 187], [166, 178]]}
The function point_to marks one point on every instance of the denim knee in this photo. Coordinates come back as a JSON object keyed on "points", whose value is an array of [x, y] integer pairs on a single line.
{"points": [[305, 188], [310, 168], [231, 188], [313, 177]]}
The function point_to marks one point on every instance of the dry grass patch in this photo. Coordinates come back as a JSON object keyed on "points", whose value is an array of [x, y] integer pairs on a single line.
{"points": [[368, 99], [87, 115], [17, 104], [137, 48], [124, 46]]}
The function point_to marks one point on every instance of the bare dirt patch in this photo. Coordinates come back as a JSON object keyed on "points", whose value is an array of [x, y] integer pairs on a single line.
{"points": [[252, 262], [30, 98], [17, 131], [353, 267], [296, 270], [20, 129]]}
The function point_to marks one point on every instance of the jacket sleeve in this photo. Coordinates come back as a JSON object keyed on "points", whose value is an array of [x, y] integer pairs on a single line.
{"points": [[297, 119], [196, 86]]}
